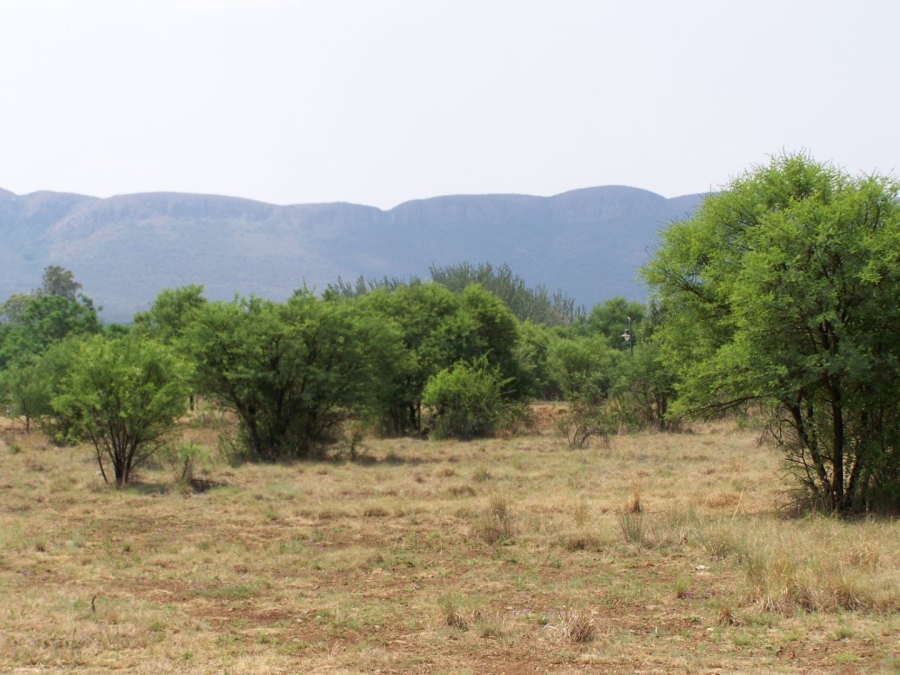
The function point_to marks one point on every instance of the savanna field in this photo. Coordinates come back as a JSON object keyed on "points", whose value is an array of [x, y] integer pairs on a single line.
{"points": [[650, 553]]}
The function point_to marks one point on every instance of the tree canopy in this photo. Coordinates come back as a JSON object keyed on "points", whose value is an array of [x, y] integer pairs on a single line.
{"points": [[124, 395], [782, 289], [292, 372]]}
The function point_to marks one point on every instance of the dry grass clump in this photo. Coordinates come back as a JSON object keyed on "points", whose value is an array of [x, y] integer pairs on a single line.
{"points": [[721, 499], [581, 541], [375, 511], [722, 539], [496, 523], [581, 513], [576, 627], [481, 474], [491, 625], [455, 613], [727, 617], [674, 528], [633, 505], [682, 588], [462, 491]]}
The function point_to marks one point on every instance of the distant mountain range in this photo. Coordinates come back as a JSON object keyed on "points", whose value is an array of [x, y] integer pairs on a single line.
{"points": [[124, 249]]}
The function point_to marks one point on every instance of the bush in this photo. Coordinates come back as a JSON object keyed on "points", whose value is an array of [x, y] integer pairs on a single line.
{"points": [[125, 396], [583, 367], [466, 401], [586, 423], [182, 460], [292, 373]]}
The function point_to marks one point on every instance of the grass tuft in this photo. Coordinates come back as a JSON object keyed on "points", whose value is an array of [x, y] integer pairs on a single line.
{"points": [[632, 526], [455, 614], [576, 627], [481, 474], [496, 524], [633, 505]]}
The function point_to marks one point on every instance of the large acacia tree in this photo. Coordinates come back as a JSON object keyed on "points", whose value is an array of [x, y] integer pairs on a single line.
{"points": [[783, 289]]}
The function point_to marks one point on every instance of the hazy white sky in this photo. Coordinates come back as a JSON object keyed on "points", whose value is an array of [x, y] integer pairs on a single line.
{"points": [[378, 102]]}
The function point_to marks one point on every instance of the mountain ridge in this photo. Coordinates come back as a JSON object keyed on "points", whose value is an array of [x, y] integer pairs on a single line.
{"points": [[125, 248]]}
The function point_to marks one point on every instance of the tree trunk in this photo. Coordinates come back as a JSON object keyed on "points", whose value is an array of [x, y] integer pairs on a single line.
{"points": [[838, 501]]}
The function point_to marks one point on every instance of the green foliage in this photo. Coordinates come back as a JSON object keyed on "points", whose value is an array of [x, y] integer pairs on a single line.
{"points": [[344, 289], [527, 304], [60, 282], [52, 367], [434, 332], [125, 396], [439, 328], [495, 338], [14, 306], [116, 330], [532, 354], [293, 372], [783, 289], [26, 391], [466, 400], [643, 389], [609, 319], [171, 314], [583, 367], [183, 458], [46, 319]]}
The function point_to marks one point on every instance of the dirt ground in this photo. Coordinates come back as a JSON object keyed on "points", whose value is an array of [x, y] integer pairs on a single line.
{"points": [[516, 555]]}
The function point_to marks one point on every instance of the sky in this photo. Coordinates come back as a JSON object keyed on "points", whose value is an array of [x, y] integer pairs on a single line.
{"points": [[382, 102]]}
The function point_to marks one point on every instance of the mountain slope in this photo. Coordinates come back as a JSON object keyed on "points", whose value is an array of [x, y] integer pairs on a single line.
{"points": [[124, 249]]}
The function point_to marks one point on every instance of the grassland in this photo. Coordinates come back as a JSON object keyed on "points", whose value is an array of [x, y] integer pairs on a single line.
{"points": [[656, 553]]}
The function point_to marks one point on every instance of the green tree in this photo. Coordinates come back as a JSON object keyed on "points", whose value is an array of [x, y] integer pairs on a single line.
{"points": [[583, 367], [14, 306], [46, 319], [293, 372], [345, 289], [527, 304], [125, 396], [609, 319], [783, 289], [533, 351], [435, 333], [59, 281], [438, 329], [172, 312], [495, 338], [643, 389], [26, 391]]}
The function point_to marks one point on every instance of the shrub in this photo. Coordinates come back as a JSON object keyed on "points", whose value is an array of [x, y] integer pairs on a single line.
{"points": [[183, 459], [124, 395], [466, 401], [292, 373], [585, 423]]}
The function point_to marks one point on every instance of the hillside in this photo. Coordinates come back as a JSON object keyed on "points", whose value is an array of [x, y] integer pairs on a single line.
{"points": [[124, 249]]}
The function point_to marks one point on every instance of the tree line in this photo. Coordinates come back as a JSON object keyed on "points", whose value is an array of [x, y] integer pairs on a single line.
{"points": [[777, 295], [402, 358]]}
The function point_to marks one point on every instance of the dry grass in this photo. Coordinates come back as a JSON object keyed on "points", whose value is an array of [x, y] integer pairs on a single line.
{"points": [[576, 627], [508, 555], [633, 505]]}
